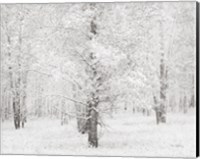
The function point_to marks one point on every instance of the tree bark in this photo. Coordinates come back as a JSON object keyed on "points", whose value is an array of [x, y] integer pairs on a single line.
{"points": [[163, 75], [92, 122]]}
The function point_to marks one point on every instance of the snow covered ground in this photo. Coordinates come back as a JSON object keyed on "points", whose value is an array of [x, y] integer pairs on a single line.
{"points": [[125, 135]]}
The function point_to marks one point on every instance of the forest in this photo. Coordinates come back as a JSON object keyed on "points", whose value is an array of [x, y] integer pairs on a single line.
{"points": [[101, 78]]}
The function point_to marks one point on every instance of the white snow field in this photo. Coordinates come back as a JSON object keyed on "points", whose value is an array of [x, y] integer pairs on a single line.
{"points": [[125, 135]]}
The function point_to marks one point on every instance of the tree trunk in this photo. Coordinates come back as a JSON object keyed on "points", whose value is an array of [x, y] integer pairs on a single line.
{"points": [[14, 85], [185, 105], [92, 125], [24, 111], [192, 101], [158, 111], [95, 82], [16, 111], [163, 76]]}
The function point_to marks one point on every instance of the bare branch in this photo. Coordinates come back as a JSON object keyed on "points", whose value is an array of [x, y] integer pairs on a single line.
{"points": [[73, 100], [44, 73], [83, 58], [76, 116]]}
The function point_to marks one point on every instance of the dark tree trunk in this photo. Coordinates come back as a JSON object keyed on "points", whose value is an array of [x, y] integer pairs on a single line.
{"points": [[15, 115], [92, 124], [94, 99], [18, 103], [185, 104], [192, 101], [133, 110], [163, 76], [162, 116], [24, 111], [157, 116], [16, 111]]}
